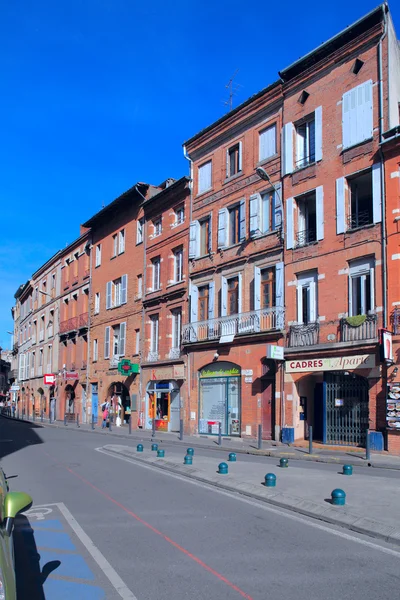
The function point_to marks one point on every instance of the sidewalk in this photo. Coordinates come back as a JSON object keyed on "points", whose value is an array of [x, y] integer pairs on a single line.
{"points": [[371, 506], [323, 454]]}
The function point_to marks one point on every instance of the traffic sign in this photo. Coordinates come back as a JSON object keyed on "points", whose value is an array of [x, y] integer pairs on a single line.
{"points": [[49, 379]]}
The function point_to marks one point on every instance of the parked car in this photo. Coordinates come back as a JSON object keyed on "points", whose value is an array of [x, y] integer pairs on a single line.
{"points": [[11, 503]]}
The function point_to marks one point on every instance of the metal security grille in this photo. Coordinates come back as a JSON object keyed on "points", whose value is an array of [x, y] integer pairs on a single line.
{"points": [[346, 398]]}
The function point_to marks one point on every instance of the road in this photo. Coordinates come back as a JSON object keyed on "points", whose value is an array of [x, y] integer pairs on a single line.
{"points": [[112, 529]]}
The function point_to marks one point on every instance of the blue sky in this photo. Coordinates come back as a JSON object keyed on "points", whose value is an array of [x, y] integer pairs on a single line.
{"points": [[98, 94]]}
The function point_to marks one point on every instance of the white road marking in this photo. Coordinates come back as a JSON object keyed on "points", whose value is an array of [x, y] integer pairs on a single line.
{"points": [[39, 512], [261, 505], [111, 574]]}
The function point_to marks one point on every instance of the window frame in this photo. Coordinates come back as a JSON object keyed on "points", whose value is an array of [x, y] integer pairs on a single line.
{"points": [[307, 157], [200, 189], [237, 165], [308, 281], [97, 303], [156, 274], [154, 333], [178, 265], [272, 126], [362, 269], [121, 241], [95, 350], [114, 248], [179, 210], [97, 256], [176, 336], [235, 208], [139, 231]]}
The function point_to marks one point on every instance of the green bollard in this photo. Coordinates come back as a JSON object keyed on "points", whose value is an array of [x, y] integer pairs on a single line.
{"points": [[270, 480], [190, 451], [160, 453], [188, 460], [347, 470], [284, 463], [338, 497], [223, 468], [232, 457], [154, 447], [139, 448]]}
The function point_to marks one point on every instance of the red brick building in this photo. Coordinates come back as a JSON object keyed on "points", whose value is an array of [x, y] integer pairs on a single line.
{"points": [[163, 287]]}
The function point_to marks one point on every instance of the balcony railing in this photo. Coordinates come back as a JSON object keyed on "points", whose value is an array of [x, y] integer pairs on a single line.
{"points": [[83, 320], [41, 335], [368, 330], [361, 219], [395, 319], [305, 237], [174, 353], [303, 335], [265, 319], [69, 325], [152, 357]]}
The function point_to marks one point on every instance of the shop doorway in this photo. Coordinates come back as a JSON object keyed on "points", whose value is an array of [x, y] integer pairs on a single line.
{"points": [[69, 400], [219, 398], [95, 401], [120, 403], [163, 398], [268, 399]]}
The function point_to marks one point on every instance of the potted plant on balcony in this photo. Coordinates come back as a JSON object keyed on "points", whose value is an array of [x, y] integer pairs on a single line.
{"points": [[356, 321]]}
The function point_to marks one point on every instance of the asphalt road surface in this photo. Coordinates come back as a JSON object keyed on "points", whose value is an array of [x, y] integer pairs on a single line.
{"points": [[103, 528]]}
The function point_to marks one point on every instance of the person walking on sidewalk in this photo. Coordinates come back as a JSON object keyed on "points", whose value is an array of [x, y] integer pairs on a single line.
{"points": [[105, 417]]}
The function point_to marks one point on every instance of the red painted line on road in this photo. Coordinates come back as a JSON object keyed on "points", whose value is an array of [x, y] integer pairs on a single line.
{"points": [[154, 530]]}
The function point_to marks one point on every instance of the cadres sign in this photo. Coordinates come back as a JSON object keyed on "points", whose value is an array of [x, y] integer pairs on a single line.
{"points": [[337, 363]]}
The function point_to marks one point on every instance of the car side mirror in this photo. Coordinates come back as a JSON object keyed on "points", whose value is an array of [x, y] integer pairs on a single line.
{"points": [[14, 503]]}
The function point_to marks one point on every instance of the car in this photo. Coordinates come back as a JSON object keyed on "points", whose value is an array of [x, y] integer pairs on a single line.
{"points": [[11, 503]]}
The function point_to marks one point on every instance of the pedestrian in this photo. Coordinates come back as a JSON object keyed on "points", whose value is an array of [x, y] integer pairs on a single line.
{"points": [[105, 417]]}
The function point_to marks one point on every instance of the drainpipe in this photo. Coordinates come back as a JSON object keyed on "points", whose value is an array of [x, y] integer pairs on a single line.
{"points": [[84, 416], [188, 354], [142, 337], [383, 207]]}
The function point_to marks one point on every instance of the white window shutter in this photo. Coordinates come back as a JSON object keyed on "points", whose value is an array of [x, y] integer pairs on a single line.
{"points": [[287, 139], [209, 236], [124, 289], [240, 298], [107, 343], [365, 114], [257, 288], [211, 299], [194, 301], [222, 227], [313, 301], [109, 294], [194, 239], [350, 292], [340, 206], [255, 214], [318, 133], [289, 223], [122, 338], [240, 156], [224, 296], [347, 112], [319, 195], [267, 143], [277, 209], [280, 294], [372, 287], [242, 220], [376, 193]]}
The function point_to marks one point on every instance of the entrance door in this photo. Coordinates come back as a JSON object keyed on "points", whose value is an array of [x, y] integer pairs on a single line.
{"points": [[346, 409], [267, 396], [174, 410], [318, 432], [95, 401], [233, 421]]}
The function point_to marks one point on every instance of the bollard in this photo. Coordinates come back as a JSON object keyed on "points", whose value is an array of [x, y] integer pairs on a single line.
{"points": [[232, 457], [110, 423], [160, 453], [367, 446], [153, 428], [65, 419], [270, 480], [92, 421], [284, 463], [154, 447], [139, 448], [42, 417], [223, 468], [347, 470], [181, 429], [130, 424], [310, 439], [190, 451], [220, 434], [259, 443], [33, 416], [188, 460], [338, 497], [77, 420]]}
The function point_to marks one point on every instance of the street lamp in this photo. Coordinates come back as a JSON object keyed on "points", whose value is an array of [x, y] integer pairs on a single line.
{"points": [[45, 293]]}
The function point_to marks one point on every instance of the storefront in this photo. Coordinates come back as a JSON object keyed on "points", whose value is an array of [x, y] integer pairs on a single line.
{"points": [[220, 398], [163, 404]]}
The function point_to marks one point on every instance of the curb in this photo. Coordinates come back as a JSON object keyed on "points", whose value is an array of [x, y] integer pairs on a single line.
{"points": [[308, 508]]}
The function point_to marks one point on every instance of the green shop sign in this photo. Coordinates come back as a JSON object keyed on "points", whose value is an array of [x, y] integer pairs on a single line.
{"points": [[126, 367], [220, 369]]}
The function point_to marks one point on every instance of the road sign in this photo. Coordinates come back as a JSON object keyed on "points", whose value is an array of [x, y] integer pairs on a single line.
{"points": [[49, 379]]}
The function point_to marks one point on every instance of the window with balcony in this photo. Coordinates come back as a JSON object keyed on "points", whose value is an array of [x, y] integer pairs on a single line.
{"points": [[267, 143], [360, 200], [139, 230], [205, 177], [361, 287], [97, 303], [156, 270], [305, 142], [307, 298], [306, 219], [116, 292], [267, 284], [98, 256], [302, 142], [234, 160], [178, 265], [203, 300]]}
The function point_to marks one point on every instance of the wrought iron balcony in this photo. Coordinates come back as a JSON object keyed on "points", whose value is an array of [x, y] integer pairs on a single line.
{"points": [[153, 356], [83, 320], [265, 319], [361, 219], [305, 237], [174, 353], [367, 330], [395, 320], [69, 325], [303, 335]]}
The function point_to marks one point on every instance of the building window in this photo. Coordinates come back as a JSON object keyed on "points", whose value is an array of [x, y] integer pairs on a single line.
{"points": [[234, 160], [98, 255], [157, 227], [178, 265], [97, 303], [114, 245], [154, 334], [267, 143], [139, 230], [234, 225], [121, 241], [361, 287], [176, 327], [360, 200], [267, 208], [203, 292], [357, 114], [205, 236], [116, 292], [305, 142], [137, 341], [50, 359], [95, 350], [307, 220], [156, 282], [268, 290], [139, 286], [307, 298], [179, 215], [118, 340], [205, 177], [53, 281], [233, 296]]}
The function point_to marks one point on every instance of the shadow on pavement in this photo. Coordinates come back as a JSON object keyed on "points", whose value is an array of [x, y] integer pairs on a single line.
{"points": [[16, 435], [29, 578]]}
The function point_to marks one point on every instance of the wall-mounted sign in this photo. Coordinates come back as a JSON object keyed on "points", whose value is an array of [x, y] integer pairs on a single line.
{"points": [[275, 352], [126, 367], [220, 369], [49, 379], [71, 375], [387, 345], [337, 363]]}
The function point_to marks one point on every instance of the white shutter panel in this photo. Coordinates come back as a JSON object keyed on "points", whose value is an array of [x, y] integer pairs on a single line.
{"points": [[365, 112], [340, 208], [228, 172], [201, 185], [240, 156], [257, 288], [255, 214], [287, 139], [124, 289], [240, 278], [27, 365], [280, 295], [351, 297], [313, 301], [347, 99], [289, 223], [108, 294], [211, 299], [262, 152], [21, 366], [242, 220], [122, 337], [224, 296], [319, 194], [376, 193], [107, 343], [277, 209], [372, 288], [222, 227], [194, 301], [194, 239], [318, 133]]}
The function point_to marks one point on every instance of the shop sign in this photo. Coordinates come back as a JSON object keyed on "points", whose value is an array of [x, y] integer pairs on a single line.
{"points": [[126, 367], [220, 369], [247, 372], [14, 388], [248, 380], [162, 373], [178, 371], [387, 345], [71, 375], [275, 352], [337, 363]]}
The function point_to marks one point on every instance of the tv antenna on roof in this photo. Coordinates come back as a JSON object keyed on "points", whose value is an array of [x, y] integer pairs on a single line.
{"points": [[233, 89]]}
